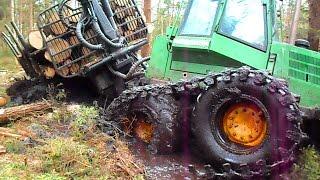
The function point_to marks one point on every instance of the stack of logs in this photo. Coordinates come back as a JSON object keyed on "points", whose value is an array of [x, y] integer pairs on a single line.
{"points": [[128, 16], [63, 46], [58, 50]]}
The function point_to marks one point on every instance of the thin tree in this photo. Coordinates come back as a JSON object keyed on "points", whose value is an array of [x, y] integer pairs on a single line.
{"points": [[295, 21], [314, 24], [147, 12]]}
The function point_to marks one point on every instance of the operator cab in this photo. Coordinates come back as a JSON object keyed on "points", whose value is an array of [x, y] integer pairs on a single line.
{"points": [[243, 21], [223, 33]]}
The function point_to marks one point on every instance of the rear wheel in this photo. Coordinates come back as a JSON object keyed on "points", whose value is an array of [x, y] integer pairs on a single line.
{"points": [[154, 120], [247, 119]]}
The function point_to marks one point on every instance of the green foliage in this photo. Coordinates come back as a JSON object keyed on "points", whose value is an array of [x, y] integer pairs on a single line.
{"points": [[86, 116], [61, 115], [65, 157], [49, 176], [11, 170], [14, 146], [308, 166], [169, 12], [85, 121]]}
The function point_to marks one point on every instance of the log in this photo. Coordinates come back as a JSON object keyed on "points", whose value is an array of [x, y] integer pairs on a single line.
{"points": [[57, 27], [66, 70], [35, 40], [71, 15], [3, 101], [85, 51], [133, 23], [119, 13], [24, 110], [17, 131], [122, 2], [49, 72], [19, 134], [47, 56], [3, 150], [57, 46], [73, 40], [75, 68]]}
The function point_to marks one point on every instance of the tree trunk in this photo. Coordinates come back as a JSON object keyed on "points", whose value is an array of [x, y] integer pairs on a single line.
{"points": [[314, 24], [295, 21], [147, 12], [1, 13], [12, 12], [31, 16]]}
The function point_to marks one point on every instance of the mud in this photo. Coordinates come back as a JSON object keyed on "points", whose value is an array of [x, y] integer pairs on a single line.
{"points": [[311, 125], [175, 166], [76, 90]]}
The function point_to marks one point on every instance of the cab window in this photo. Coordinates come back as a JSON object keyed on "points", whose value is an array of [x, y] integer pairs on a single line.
{"points": [[199, 18], [244, 20]]}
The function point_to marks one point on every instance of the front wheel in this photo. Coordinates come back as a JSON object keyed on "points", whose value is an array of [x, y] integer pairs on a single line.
{"points": [[247, 120]]}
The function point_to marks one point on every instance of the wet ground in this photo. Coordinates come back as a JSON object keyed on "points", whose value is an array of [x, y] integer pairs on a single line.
{"points": [[181, 165]]}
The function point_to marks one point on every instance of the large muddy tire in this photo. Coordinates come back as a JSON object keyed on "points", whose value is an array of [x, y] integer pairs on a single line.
{"points": [[148, 113], [249, 122], [162, 113]]}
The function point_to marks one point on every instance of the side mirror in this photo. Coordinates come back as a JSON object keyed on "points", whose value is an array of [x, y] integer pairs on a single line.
{"points": [[302, 43]]}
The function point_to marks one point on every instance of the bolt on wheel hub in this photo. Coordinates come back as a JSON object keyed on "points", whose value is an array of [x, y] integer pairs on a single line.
{"points": [[245, 124]]}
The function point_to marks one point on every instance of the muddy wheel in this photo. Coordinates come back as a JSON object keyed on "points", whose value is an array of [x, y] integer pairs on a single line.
{"points": [[154, 120], [247, 120]]}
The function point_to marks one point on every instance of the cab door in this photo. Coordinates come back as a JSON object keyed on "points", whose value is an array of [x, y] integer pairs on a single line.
{"points": [[242, 32]]}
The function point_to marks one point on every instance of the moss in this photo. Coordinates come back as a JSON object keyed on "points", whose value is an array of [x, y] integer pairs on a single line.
{"points": [[308, 165]]}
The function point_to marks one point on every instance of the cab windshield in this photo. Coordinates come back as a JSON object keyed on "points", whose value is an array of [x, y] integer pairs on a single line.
{"points": [[199, 18], [244, 20]]}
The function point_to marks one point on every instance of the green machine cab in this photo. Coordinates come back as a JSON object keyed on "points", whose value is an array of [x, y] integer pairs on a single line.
{"points": [[219, 34]]}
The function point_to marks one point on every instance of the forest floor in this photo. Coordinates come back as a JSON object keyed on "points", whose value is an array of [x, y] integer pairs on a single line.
{"points": [[65, 143]]}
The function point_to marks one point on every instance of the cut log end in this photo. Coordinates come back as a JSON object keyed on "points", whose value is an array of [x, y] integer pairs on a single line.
{"points": [[49, 72], [60, 48], [35, 40]]}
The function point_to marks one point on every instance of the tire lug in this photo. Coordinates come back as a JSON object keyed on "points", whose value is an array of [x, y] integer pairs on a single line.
{"points": [[192, 169], [227, 167], [244, 168]]}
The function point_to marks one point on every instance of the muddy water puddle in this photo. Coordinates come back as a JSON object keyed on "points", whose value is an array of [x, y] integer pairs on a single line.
{"points": [[180, 165]]}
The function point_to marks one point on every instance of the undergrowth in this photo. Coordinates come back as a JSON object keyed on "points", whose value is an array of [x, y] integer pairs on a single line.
{"points": [[308, 166], [73, 148]]}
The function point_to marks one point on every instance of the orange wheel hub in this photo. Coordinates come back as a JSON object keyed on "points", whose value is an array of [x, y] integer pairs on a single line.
{"points": [[245, 124]]}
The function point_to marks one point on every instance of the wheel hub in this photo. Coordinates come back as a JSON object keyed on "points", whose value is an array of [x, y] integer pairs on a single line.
{"points": [[245, 124]]}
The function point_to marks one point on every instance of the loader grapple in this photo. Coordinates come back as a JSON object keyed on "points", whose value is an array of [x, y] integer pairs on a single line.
{"points": [[69, 56]]}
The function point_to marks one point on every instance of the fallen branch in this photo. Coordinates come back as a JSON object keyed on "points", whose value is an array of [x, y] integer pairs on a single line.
{"points": [[17, 136], [21, 111]]}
